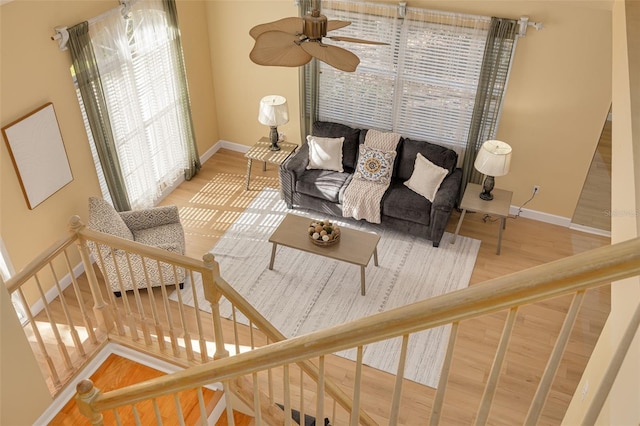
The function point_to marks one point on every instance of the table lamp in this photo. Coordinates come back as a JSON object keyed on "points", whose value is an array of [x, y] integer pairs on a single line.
{"points": [[494, 159], [273, 113]]}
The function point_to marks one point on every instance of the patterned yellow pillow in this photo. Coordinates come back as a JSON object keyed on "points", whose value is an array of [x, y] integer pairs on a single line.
{"points": [[375, 165]]}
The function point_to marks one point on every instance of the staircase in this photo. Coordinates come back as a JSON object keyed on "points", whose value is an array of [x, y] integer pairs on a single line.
{"points": [[256, 366]]}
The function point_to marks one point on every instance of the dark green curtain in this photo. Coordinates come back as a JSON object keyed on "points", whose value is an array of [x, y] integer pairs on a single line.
{"points": [[308, 82], [90, 86], [193, 158], [491, 86]]}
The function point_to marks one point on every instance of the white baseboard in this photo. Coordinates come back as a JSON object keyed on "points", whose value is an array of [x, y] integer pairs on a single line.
{"points": [[110, 348], [590, 230], [541, 216]]}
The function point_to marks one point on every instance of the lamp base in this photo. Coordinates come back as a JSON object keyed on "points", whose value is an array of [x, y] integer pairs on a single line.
{"points": [[273, 137], [487, 187]]}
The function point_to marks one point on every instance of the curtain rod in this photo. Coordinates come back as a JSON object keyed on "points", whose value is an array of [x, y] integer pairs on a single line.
{"points": [[62, 33]]}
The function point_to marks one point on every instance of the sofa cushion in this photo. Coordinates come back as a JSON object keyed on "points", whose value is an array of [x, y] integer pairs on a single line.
{"points": [[375, 165], [426, 178], [349, 146], [438, 155], [325, 153], [323, 184], [402, 203]]}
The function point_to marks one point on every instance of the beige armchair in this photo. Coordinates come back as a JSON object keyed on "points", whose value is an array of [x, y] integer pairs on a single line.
{"points": [[158, 227]]}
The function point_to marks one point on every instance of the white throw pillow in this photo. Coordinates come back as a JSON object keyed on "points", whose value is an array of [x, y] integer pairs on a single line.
{"points": [[426, 178], [325, 153]]}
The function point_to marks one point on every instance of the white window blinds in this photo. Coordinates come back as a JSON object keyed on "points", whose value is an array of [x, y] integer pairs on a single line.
{"points": [[422, 85]]}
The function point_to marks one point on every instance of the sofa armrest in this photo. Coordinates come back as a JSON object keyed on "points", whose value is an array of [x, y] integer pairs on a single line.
{"points": [[289, 172], [443, 204], [447, 194], [150, 218], [298, 162]]}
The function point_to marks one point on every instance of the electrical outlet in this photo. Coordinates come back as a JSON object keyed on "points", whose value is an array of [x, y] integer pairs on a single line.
{"points": [[536, 189]]}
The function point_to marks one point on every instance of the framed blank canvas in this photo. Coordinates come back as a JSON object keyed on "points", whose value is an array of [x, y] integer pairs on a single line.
{"points": [[38, 154]]}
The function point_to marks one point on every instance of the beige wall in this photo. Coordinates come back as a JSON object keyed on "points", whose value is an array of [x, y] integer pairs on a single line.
{"points": [[23, 393], [34, 71], [556, 104], [623, 406]]}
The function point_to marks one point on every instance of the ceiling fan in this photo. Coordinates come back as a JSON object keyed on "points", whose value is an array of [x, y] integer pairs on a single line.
{"points": [[292, 42]]}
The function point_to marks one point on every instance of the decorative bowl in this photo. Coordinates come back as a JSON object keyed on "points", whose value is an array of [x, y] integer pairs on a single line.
{"points": [[323, 232]]}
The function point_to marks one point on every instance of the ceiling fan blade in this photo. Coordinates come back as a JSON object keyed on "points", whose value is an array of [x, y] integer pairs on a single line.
{"points": [[277, 48], [335, 56], [288, 25], [356, 40], [334, 25]]}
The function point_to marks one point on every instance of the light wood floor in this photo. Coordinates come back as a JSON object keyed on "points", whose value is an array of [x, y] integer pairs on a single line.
{"points": [[594, 205], [214, 198], [211, 201]]}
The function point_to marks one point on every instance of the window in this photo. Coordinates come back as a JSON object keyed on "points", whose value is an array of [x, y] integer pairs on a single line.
{"points": [[139, 68], [422, 85]]}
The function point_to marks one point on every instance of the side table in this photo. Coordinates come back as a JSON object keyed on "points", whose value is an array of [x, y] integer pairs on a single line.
{"points": [[260, 151], [499, 206]]}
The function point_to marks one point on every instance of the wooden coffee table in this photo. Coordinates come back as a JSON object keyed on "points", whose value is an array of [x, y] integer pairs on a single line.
{"points": [[354, 247]]}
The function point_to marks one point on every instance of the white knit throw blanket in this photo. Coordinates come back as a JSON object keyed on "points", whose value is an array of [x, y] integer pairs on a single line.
{"points": [[362, 197]]}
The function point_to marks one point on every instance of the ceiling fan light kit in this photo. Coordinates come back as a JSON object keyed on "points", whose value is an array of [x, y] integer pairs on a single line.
{"points": [[293, 42]]}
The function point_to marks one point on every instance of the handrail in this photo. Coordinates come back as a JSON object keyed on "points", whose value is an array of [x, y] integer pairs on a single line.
{"points": [[579, 272], [35, 265]]}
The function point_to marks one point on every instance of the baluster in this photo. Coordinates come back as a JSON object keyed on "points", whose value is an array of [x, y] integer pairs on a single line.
{"points": [[157, 324], [270, 382], [117, 416], [136, 415], [114, 306], [167, 309], [444, 376], [101, 309], [203, 408], [125, 300], [235, 329], [492, 383], [229, 403], [179, 413], [36, 332], [256, 399], [287, 395], [320, 392], [302, 413], [83, 311], [65, 309], [183, 318], [54, 326], [141, 314], [355, 410], [86, 394], [554, 361], [156, 411], [397, 391], [204, 356], [212, 295]]}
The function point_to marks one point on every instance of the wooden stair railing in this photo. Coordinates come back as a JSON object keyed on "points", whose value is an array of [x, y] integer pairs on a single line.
{"points": [[572, 275]]}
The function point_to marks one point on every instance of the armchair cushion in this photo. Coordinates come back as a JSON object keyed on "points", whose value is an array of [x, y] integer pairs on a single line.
{"points": [[104, 218]]}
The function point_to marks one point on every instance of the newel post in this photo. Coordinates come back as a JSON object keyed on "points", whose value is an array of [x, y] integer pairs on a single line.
{"points": [[101, 309], [212, 295], [86, 394]]}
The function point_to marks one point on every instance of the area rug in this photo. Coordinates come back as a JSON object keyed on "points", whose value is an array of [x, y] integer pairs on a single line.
{"points": [[305, 293]]}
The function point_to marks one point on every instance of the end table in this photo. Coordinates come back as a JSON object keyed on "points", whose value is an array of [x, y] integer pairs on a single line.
{"points": [[499, 206], [261, 152]]}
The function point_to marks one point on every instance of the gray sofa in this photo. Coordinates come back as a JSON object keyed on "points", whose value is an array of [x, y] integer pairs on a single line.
{"points": [[401, 208]]}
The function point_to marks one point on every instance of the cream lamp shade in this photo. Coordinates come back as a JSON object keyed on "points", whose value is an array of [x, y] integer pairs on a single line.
{"points": [[273, 112], [493, 159]]}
